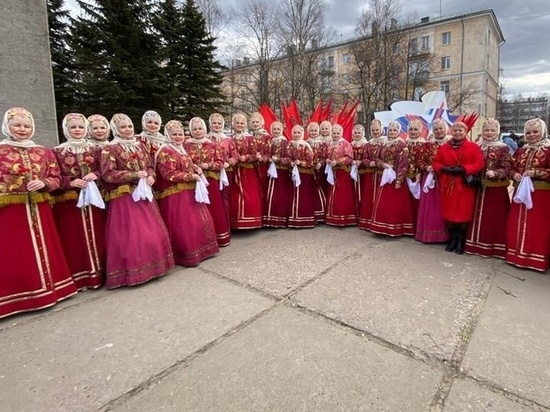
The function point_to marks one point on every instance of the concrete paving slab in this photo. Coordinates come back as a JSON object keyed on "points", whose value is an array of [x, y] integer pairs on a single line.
{"points": [[276, 265], [469, 396], [510, 345], [83, 357], [408, 294], [290, 361]]}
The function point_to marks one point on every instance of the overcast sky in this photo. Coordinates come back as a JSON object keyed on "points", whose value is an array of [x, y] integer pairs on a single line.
{"points": [[525, 24]]}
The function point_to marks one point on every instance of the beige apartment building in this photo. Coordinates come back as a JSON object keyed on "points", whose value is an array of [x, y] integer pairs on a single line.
{"points": [[459, 55]]}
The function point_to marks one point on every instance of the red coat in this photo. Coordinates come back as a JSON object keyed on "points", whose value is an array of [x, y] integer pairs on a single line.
{"points": [[457, 199]]}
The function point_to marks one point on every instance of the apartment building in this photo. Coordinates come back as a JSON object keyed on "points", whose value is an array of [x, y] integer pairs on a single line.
{"points": [[513, 114], [459, 55]]}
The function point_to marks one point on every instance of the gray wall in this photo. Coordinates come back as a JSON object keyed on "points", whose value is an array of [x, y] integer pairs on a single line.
{"points": [[25, 65]]}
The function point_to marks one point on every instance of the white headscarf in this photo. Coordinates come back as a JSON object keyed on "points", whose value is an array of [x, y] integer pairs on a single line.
{"points": [[129, 145], [155, 138], [216, 136], [193, 139], [491, 143], [362, 141], [9, 117], [540, 125], [74, 145]]}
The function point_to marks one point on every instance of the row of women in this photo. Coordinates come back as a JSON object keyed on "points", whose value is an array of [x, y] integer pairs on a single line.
{"points": [[125, 211]]}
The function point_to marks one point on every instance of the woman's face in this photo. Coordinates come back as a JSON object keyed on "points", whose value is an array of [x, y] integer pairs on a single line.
{"points": [[216, 125], [126, 129], [77, 130], [393, 132], [20, 128], [197, 131], [325, 130], [336, 133], [375, 131], [255, 123], [313, 131], [276, 130], [357, 134], [99, 130], [414, 131], [239, 124], [152, 125], [177, 136], [489, 133], [440, 131], [296, 133], [459, 132], [532, 135]]}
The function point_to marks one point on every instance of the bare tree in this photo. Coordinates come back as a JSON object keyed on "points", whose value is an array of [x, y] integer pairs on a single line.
{"points": [[216, 19], [379, 57], [462, 94], [303, 31]]}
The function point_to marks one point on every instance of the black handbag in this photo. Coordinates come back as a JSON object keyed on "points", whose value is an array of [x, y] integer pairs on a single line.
{"points": [[472, 180]]}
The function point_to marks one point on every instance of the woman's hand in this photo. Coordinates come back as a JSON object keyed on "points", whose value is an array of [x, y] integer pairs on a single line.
{"points": [[80, 183], [530, 173], [150, 180], [516, 177], [490, 174], [204, 166], [35, 185], [89, 177], [142, 173], [429, 169]]}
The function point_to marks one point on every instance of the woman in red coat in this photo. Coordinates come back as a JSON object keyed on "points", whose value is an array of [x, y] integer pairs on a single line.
{"points": [[453, 161]]}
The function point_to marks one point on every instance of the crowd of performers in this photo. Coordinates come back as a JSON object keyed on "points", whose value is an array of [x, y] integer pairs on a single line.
{"points": [[120, 212]]}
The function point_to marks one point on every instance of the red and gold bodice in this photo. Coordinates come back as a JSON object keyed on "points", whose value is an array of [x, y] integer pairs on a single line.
{"points": [[205, 151], [427, 154], [319, 149], [76, 165], [537, 159], [341, 152], [119, 168], [18, 166], [415, 152], [498, 160], [174, 172], [246, 146], [395, 153], [279, 150], [263, 145], [301, 152]]}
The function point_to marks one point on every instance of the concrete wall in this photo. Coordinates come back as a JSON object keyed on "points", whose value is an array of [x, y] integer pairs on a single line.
{"points": [[25, 65]]}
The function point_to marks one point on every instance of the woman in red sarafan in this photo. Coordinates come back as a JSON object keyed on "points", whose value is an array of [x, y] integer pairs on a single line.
{"points": [[279, 186], [487, 233], [262, 141], [430, 226], [229, 155], [208, 156], [392, 213], [40, 276], [189, 223], [341, 204], [246, 194], [150, 136], [414, 146], [137, 241], [84, 243], [528, 232], [302, 209], [453, 161], [358, 144], [371, 176], [318, 145]]}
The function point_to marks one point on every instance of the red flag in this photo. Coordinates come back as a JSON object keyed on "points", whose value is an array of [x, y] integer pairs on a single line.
{"points": [[317, 113], [295, 112], [347, 121], [326, 112], [268, 115], [287, 121]]}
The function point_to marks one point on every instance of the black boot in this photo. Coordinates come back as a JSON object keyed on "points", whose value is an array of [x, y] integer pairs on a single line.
{"points": [[460, 240], [451, 245]]}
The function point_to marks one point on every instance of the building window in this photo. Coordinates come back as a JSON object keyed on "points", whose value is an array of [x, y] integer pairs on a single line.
{"points": [[444, 86], [345, 58], [425, 42], [344, 79], [446, 38], [330, 62], [445, 62], [413, 45]]}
